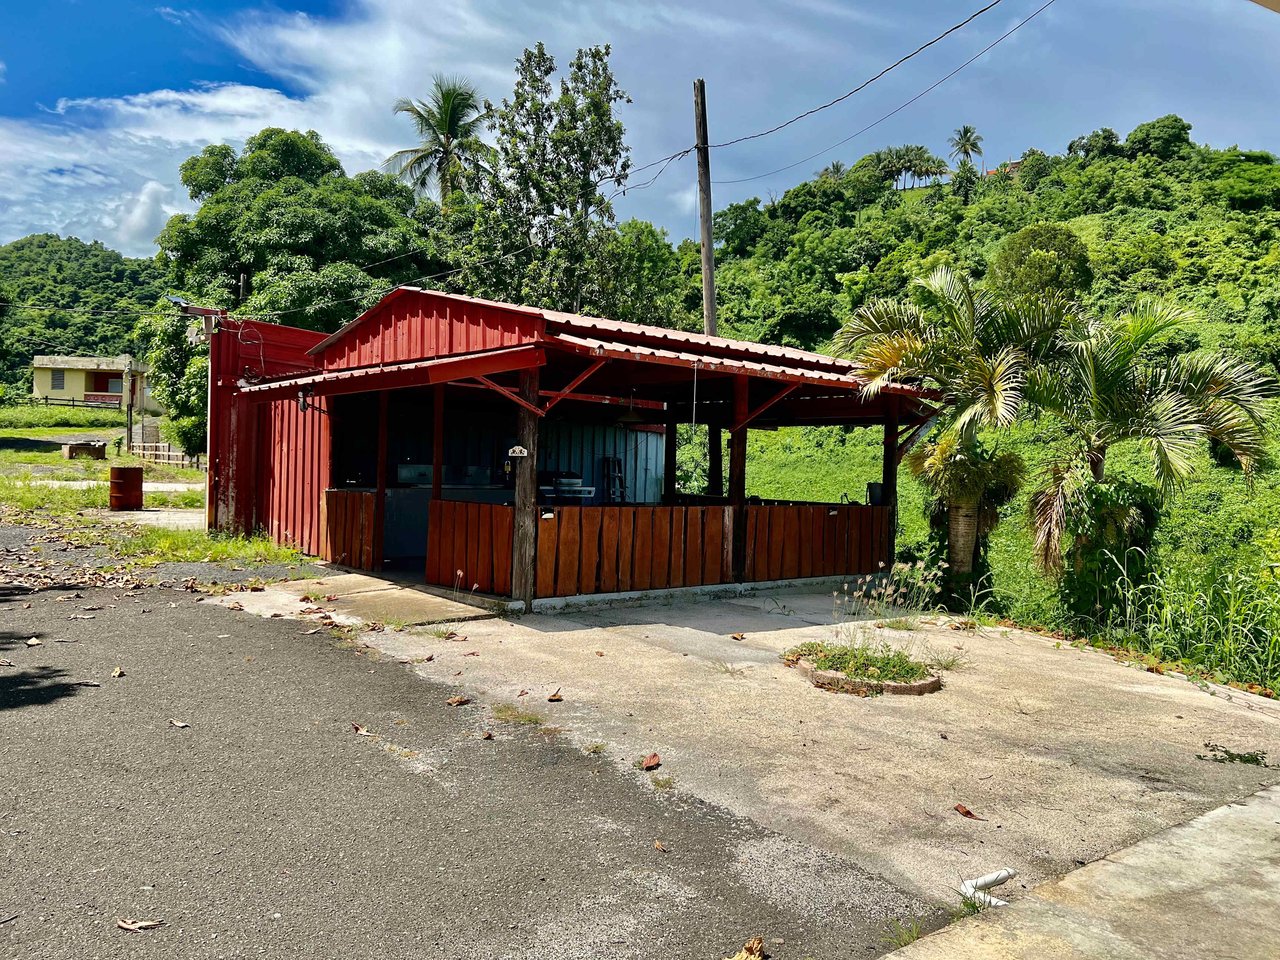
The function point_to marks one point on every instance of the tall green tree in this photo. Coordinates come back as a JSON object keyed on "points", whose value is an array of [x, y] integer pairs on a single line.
{"points": [[1107, 385], [543, 210], [448, 123], [1040, 258], [965, 143]]}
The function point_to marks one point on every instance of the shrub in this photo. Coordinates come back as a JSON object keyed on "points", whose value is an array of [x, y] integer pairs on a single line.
{"points": [[860, 660]]}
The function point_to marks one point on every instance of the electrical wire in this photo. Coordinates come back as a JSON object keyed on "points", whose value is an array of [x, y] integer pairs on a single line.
{"points": [[866, 83], [894, 112], [93, 311]]}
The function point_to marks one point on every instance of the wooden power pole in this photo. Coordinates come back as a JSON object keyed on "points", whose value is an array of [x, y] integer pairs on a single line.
{"points": [[715, 452]]}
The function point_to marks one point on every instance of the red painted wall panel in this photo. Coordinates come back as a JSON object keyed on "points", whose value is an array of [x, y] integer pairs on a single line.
{"points": [[268, 462], [418, 326]]}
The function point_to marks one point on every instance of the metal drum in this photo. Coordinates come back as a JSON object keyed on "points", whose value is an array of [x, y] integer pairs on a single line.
{"points": [[126, 488]]}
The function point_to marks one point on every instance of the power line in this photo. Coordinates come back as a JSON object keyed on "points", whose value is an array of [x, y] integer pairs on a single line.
{"points": [[894, 112], [94, 311], [862, 86]]}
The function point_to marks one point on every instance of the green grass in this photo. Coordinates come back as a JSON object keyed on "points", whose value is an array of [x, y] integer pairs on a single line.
{"points": [[861, 660], [51, 465], [506, 713], [23, 415], [900, 934], [148, 546], [1222, 625], [49, 433], [40, 498]]}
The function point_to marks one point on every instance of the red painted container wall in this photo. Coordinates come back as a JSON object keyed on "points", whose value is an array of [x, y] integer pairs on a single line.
{"points": [[412, 325], [268, 462]]}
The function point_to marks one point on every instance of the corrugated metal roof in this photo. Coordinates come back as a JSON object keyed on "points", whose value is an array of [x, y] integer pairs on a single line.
{"points": [[622, 340], [704, 361], [578, 322]]}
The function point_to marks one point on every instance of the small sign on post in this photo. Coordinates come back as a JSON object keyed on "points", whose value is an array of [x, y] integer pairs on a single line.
{"points": [[517, 451]]}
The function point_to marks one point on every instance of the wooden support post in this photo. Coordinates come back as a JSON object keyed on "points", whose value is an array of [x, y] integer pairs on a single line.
{"points": [[889, 476], [380, 498], [738, 476], [437, 440], [670, 446], [524, 540]]}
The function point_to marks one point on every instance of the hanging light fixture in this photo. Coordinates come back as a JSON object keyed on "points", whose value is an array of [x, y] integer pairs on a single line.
{"points": [[630, 416]]}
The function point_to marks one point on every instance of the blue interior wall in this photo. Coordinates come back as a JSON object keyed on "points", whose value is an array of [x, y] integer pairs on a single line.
{"points": [[580, 448]]}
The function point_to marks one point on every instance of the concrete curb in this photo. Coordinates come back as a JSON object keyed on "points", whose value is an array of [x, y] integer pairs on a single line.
{"points": [[837, 682]]}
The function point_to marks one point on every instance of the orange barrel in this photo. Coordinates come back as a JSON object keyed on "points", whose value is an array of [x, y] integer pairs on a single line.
{"points": [[126, 488]]}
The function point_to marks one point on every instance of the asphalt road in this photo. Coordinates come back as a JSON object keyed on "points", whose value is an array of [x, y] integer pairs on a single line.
{"points": [[269, 827]]}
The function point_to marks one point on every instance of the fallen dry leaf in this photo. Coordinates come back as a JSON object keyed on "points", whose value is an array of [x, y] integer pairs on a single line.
{"points": [[964, 811], [35, 642], [651, 762], [62, 640], [523, 693], [658, 845], [137, 926], [753, 949], [331, 597], [117, 673], [555, 697], [487, 735], [360, 731], [471, 653], [599, 653], [82, 616], [180, 724], [6, 663], [739, 636], [458, 701], [309, 632], [233, 605]]}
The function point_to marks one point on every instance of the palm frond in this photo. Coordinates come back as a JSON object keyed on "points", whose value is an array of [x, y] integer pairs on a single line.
{"points": [[1053, 500]]}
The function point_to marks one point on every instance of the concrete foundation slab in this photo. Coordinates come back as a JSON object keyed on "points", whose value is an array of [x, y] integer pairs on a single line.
{"points": [[1207, 888]]}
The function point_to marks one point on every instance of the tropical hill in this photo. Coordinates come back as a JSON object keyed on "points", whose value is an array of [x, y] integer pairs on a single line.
{"points": [[91, 295]]}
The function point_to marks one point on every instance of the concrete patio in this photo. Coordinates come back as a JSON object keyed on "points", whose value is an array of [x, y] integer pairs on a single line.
{"points": [[1065, 754]]}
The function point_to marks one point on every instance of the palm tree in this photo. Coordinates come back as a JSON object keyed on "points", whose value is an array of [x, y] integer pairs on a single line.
{"points": [[1106, 388], [448, 124], [971, 483], [965, 143], [976, 350], [832, 171]]}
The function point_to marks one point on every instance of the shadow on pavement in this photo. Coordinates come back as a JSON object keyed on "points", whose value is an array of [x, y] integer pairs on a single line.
{"points": [[33, 687]]}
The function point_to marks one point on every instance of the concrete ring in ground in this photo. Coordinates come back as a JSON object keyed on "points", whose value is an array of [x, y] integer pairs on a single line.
{"points": [[837, 682]]}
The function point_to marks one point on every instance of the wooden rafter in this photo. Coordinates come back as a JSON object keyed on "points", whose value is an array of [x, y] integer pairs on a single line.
{"points": [[751, 415], [557, 396], [510, 395]]}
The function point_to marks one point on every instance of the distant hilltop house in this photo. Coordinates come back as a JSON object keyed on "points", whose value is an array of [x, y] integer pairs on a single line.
{"points": [[1010, 168], [92, 382]]}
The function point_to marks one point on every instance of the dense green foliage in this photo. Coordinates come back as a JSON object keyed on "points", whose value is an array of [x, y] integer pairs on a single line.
{"points": [[93, 296]]}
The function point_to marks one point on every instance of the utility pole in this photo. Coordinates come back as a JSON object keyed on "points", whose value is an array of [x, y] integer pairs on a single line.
{"points": [[715, 452], [127, 389]]}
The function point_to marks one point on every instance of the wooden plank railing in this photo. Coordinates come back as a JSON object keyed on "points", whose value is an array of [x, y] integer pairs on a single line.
{"points": [[610, 549], [469, 546], [818, 540], [348, 534]]}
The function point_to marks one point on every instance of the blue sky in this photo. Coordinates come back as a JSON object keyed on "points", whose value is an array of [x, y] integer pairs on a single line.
{"points": [[100, 100]]}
